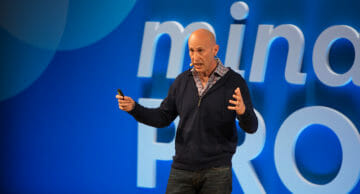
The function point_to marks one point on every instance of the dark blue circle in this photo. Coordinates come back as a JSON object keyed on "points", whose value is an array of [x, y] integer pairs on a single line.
{"points": [[318, 154]]}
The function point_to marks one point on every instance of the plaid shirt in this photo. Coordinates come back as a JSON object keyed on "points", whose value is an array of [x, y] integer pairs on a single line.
{"points": [[219, 72]]}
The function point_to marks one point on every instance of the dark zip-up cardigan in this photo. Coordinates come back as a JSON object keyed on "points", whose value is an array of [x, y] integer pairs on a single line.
{"points": [[206, 135]]}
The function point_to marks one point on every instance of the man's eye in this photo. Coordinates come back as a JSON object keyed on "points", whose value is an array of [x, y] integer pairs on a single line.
{"points": [[200, 50]]}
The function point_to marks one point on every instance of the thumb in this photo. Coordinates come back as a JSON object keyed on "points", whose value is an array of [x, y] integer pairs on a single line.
{"points": [[237, 90]]}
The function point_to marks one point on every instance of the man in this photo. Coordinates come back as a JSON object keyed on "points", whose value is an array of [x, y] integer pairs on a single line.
{"points": [[207, 98]]}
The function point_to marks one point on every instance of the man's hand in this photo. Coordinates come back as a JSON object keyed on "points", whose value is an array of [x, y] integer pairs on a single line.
{"points": [[125, 103], [238, 103]]}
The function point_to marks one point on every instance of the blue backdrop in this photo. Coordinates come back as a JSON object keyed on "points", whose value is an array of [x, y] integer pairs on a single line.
{"points": [[61, 63]]}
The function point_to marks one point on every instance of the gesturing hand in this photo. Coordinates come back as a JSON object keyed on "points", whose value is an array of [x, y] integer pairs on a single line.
{"points": [[238, 103], [125, 103]]}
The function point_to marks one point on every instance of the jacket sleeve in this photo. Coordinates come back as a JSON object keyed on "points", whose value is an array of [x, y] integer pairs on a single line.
{"points": [[247, 121], [157, 117]]}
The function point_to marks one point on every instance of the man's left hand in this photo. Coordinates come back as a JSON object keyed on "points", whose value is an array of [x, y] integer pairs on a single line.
{"points": [[238, 103]]}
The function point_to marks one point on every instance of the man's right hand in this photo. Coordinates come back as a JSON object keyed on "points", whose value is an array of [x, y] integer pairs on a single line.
{"points": [[125, 103]]}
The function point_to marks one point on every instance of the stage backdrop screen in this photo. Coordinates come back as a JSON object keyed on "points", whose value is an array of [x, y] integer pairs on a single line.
{"points": [[61, 63]]}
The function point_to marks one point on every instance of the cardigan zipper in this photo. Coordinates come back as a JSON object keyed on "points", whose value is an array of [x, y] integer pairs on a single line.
{"points": [[200, 98]]}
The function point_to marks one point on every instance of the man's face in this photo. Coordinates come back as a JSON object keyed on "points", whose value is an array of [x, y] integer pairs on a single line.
{"points": [[202, 53]]}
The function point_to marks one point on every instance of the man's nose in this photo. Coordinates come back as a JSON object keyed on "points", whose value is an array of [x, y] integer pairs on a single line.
{"points": [[195, 56]]}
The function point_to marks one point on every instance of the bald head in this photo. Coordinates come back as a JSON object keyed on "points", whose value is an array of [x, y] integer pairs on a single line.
{"points": [[203, 34]]}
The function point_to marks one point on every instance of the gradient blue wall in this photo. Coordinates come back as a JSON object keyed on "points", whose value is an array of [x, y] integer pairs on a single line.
{"points": [[61, 62]]}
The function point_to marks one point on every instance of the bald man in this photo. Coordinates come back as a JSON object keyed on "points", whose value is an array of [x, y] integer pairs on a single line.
{"points": [[208, 98]]}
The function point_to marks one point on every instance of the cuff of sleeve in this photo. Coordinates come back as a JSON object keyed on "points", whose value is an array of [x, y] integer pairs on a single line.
{"points": [[244, 116]]}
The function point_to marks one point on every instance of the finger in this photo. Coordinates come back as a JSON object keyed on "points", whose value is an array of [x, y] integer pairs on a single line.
{"points": [[238, 91], [238, 97], [126, 108], [119, 97], [232, 107], [234, 102], [127, 98], [121, 101], [126, 104]]}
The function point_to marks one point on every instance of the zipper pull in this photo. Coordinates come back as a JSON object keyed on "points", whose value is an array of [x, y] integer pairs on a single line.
{"points": [[199, 101]]}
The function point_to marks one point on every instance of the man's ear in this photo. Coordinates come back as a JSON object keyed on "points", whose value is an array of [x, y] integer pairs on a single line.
{"points": [[215, 50]]}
